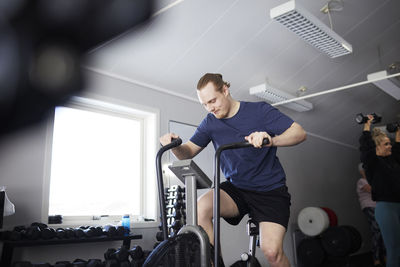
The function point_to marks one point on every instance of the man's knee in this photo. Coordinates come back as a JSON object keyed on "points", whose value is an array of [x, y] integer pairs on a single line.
{"points": [[272, 253], [205, 207]]}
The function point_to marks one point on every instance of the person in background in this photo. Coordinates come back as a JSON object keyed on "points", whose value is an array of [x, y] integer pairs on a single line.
{"points": [[368, 208], [381, 162]]}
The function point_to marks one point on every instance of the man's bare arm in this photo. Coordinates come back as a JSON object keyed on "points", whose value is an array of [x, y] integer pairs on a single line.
{"points": [[185, 151]]}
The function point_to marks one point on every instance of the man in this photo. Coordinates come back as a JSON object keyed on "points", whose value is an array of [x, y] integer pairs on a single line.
{"points": [[255, 178]]}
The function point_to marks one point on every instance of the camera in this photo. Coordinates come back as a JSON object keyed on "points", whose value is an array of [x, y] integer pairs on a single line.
{"points": [[392, 127], [360, 118]]}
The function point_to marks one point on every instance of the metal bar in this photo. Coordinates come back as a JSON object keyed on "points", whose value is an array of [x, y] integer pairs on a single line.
{"points": [[334, 90]]}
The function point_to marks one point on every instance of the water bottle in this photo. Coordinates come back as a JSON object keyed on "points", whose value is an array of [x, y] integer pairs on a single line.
{"points": [[126, 223]]}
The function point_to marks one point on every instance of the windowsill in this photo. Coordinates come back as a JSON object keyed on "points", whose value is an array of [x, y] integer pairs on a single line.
{"points": [[75, 224]]}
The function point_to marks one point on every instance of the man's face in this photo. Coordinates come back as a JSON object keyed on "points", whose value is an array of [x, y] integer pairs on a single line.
{"points": [[215, 102], [385, 148]]}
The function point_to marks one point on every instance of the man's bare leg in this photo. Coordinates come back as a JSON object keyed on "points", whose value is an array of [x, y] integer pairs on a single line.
{"points": [[228, 209], [271, 243]]}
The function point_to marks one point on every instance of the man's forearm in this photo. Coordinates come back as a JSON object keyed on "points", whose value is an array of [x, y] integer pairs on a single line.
{"points": [[294, 135], [185, 151]]}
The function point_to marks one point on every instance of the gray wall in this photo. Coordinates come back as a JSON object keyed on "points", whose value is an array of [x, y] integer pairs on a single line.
{"points": [[319, 173]]}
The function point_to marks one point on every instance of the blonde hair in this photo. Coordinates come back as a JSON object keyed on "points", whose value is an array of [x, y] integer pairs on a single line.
{"points": [[215, 78], [378, 135]]}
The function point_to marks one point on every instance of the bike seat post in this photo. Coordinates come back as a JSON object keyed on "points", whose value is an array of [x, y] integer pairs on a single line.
{"points": [[191, 200], [252, 231]]}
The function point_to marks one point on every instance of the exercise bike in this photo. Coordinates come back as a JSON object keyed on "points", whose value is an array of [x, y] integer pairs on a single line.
{"points": [[191, 234]]}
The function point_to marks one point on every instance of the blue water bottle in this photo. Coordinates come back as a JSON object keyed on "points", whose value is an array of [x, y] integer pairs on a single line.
{"points": [[126, 224]]}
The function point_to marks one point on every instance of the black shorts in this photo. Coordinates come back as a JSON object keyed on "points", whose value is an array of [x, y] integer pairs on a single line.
{"points": [[271, 206]]}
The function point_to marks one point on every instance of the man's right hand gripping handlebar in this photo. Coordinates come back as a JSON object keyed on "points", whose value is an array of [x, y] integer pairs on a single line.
{"points": [[259, 139], [169, 138]]}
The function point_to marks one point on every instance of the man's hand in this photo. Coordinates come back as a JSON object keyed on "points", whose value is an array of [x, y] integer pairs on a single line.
{"points": [[167, 138], [256, 139]]}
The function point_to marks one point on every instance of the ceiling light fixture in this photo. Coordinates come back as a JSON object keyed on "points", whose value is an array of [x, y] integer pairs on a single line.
{"points": [[310, 29], [391, 85], [273, 95]]}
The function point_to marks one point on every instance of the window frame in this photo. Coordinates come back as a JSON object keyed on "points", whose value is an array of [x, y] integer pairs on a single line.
{"points": [[148, 182]]}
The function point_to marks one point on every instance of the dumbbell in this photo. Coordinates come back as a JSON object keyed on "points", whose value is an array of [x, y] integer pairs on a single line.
{"points": [[39, 224], [91, 232], [69, 233], [159, 236], [136, 252], [41, 264], [111, 263], [120, 255], [32, 233], [78, 232], [360, 118], [137, 256], [94, 263], [62, 264], [47, 233], [22, 264], [392, 127], [110, 230], [60, 233], [176, 188], [79, 263]]}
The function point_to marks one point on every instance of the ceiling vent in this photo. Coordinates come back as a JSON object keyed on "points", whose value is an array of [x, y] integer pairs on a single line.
{"points": [[310, 29]]}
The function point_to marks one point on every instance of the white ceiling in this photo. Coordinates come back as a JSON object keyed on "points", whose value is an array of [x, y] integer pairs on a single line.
{"points": [[239, 40]]}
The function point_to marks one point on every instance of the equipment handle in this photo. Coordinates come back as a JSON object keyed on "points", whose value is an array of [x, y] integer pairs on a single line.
{"points": [[216, 191], [174, 143]]}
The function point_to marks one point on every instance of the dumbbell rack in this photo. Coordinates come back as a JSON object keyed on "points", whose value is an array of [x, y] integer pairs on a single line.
{"points": [[176, 213], [8, 246]]}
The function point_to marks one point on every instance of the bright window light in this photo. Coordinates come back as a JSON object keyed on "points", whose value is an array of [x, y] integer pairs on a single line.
{"points": [[96, 166]]}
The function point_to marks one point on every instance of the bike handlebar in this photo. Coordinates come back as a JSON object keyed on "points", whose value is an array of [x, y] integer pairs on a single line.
{"points": [[217, 195], [174, 143]]}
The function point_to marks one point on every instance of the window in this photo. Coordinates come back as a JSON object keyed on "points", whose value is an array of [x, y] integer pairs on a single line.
{"points": [[99, 160]]}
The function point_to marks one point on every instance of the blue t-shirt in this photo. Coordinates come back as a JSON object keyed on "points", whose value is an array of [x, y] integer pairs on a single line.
{"points": [[250, 168]]}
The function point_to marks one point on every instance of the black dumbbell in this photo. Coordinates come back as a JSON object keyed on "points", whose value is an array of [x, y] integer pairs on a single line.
{"points": [[41, 264], [125, 264], [47, 233], [60, 233], [69, 233], [108, 255], [360, 118], [99, 231], [111, 263], [79, 233], [22, 264], [39, 224], [136, 252], [62, 264], [79, 263], [392, 127], [95, 263], [121, 254], [110, 230], [32, 233], [159, 236], [90, 232]]}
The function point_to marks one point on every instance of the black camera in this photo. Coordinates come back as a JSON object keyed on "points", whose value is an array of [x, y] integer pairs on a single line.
{"points": [[392, 127], [360, 118]]}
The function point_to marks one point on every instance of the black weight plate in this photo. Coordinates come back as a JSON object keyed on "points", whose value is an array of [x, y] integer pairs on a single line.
{"points": [[310, 252], [336, 241]]}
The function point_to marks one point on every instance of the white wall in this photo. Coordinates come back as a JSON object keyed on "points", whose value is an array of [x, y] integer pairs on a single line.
{"points": [[319, 173]]}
